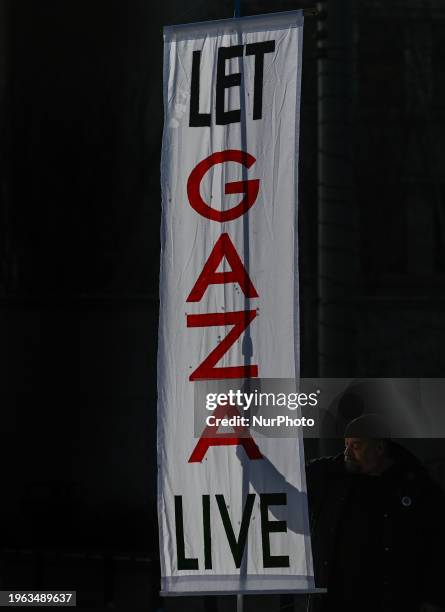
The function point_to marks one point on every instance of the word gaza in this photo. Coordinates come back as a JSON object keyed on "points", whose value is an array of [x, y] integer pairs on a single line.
{"points": [[238, 320]]}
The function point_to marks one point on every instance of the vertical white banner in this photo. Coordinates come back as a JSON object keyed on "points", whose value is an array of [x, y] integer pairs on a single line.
{"points": [[232, 511]]}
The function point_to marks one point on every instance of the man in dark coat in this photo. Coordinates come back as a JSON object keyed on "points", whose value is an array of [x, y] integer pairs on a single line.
{"points": [[377, 526]]}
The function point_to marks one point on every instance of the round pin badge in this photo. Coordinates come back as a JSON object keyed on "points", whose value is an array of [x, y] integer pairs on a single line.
{"points": [[406, 501]]}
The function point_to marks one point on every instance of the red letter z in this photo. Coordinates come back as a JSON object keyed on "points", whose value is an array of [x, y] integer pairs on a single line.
{"points": [[240, 320]]}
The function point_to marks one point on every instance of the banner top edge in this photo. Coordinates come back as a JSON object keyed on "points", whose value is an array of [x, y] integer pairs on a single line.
{"points": [[293, 18]]}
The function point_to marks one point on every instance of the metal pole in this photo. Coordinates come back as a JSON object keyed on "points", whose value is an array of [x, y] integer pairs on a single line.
{"points": [[239, 603], [247, 348]]}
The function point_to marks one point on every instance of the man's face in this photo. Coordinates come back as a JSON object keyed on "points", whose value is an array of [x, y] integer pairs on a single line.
{"points": [[363, 455]]}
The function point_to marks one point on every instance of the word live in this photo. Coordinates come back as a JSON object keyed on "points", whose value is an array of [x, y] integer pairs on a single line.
{"points": [[237, 546]]}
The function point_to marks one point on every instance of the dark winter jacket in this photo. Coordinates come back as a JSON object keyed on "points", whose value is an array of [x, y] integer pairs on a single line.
{"points": [[377, 540]]}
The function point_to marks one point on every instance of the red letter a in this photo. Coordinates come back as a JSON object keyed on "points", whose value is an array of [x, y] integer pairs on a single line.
{"points": [[209, 276], [243, 438]]}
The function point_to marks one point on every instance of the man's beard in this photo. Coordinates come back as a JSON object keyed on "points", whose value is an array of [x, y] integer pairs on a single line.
{"points": [[352, 467]]}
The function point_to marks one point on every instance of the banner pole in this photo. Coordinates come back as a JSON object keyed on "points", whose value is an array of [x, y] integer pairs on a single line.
{"points": [[247, 341], [239, 603]]}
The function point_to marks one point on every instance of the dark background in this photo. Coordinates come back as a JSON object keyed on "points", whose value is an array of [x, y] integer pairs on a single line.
{"points": [[80, 133]]}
